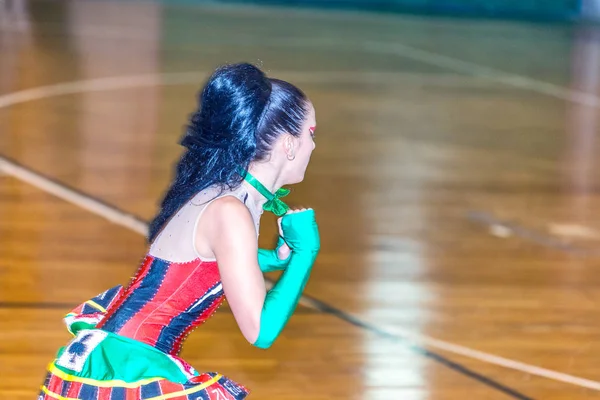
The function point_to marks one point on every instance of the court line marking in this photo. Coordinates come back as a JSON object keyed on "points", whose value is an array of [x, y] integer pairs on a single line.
{"points": [[424, 56], [453, 64], [489, 220], [188, 77], [383, 47], [546, 240], [134, 223], [21, 305], [137, 225], [95, 85], [73, 196], [519, 81], [196, 77]]}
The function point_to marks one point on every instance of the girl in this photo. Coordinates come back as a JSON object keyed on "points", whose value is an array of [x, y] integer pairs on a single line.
{"points": [[251, 135]]}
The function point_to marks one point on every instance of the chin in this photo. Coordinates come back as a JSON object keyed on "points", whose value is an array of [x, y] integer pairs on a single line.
{"points": [[296, 179]]}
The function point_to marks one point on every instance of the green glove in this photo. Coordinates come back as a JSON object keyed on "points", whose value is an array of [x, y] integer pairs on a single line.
{"points": [[301, 233], [269, 261]]}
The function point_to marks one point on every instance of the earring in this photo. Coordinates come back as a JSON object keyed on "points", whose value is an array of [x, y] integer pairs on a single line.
{"points": [[293, 157]]}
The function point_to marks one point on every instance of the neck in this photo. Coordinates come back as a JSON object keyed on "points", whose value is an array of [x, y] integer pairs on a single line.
{"points": [[266, 175]]}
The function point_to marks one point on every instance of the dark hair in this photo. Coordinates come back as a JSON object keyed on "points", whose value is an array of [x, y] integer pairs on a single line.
{"points": [[241, 113]]}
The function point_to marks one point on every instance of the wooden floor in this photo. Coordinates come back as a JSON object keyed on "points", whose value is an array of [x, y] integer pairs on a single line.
{"points": [[455, 179]]}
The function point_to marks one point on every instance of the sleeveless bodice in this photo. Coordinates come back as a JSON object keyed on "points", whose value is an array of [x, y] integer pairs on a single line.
{"points": [[165, 301], [168, 298]]}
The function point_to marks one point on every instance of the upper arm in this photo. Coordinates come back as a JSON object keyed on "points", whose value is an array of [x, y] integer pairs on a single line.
{"points": [[229, 230]]}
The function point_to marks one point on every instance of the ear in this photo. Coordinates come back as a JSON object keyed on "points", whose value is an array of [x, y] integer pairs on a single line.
{"points": [[289, 146]]}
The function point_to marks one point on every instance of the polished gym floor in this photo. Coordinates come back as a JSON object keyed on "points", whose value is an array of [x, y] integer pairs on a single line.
{"points": [[455, 183]]}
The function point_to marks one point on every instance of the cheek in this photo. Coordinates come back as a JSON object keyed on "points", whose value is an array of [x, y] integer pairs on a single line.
{"points": [[309, 148]]}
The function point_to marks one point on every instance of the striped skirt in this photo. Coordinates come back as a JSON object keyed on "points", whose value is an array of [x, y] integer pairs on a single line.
{"points": [[102, 365]]}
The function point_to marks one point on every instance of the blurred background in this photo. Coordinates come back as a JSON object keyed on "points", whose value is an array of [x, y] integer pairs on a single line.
{"points": [[455, 180]]}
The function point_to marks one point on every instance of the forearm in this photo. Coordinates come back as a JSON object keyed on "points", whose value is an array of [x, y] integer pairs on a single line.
{"points": [[282, 299], [302, 236]]}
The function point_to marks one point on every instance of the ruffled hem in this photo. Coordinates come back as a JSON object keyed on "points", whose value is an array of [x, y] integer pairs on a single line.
{"points": [[207, 386], [102, 365]]}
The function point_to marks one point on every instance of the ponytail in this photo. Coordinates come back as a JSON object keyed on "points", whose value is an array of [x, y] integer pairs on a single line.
{"points": [[241, 113]]}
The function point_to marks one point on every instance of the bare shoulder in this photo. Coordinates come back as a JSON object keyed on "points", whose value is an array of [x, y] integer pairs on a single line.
{"points": [[227, 219], [228, 209]]}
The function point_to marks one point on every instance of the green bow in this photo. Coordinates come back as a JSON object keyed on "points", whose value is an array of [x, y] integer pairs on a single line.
{"points": [[273, 203]]}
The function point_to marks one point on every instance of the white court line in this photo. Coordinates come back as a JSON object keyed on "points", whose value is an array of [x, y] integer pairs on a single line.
{"points": [[88, 203], [449, 63], [99, 84], [519, 81], [189, 77], [428, 341], [396, 49], [135, 224]]}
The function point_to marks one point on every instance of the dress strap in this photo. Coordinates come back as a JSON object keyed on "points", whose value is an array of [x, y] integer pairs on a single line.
{"points": [[175, 243]]}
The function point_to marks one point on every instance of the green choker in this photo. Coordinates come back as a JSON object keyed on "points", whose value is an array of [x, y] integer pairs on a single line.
{"points": [[273, 203]]}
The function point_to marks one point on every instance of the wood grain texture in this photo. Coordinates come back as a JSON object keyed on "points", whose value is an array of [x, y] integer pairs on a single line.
{"points": [[410, 154]]}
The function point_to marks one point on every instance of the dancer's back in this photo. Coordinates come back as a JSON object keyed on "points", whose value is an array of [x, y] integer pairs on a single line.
{"points": [[176, 288]]}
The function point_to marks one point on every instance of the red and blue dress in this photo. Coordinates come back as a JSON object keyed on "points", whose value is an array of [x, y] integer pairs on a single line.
{"points": [[126, 340]]}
